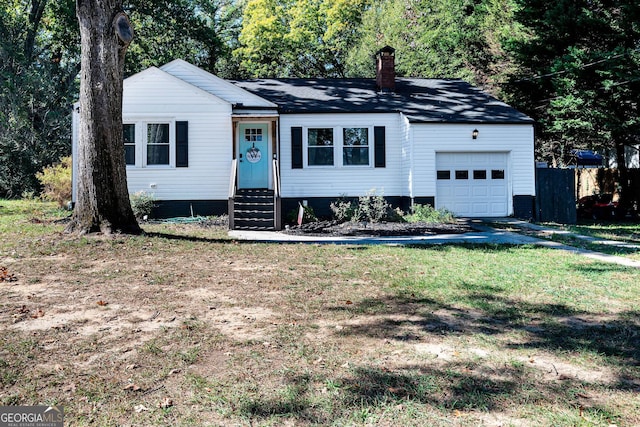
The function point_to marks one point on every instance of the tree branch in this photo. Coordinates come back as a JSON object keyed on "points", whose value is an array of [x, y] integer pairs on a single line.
{"points": [[35, 16]]}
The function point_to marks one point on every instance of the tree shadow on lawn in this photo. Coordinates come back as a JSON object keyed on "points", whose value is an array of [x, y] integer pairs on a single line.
{"points": [[478, 385], [439, 389], [552, 327], [454, 386]]}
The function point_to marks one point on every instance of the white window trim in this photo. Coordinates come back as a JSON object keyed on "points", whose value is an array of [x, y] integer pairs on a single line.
{"points": [[141, 141], [338, 145]]}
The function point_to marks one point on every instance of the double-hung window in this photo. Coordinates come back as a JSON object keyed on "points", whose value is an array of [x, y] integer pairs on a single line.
{"points": [[355, 146], [320, 147], [149, 143], [158, 144], [339, 147], [129, 138]]}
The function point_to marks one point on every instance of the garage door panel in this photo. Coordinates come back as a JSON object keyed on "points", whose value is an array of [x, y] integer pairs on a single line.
{"points": [[461, 191], [497, 207], [483, 193], [477, 191], [481, 208], [498, 191]]}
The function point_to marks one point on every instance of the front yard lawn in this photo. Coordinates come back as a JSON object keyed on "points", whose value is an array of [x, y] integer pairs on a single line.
{"points": [[601, 236], [624, 231], [184, 327]]}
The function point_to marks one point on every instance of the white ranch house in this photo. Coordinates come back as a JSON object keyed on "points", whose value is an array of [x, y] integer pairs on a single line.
{"points": [[257, 148]]}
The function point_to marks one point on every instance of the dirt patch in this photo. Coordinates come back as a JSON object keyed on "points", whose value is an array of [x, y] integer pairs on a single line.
{"points": [[235, 333]]}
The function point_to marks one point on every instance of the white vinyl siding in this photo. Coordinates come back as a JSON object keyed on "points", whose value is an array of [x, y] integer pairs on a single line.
{"points": [[205, 102], [514, 140], [150, 98], [214, 84], [406, 137], [339, 180], [155, 96], [206, 178]]}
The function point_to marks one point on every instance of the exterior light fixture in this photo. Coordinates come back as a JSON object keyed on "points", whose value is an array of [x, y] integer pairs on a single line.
{"points": [[474, 134]]}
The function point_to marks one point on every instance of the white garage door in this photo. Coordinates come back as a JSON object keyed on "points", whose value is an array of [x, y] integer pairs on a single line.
{"points": [[472, 184]]}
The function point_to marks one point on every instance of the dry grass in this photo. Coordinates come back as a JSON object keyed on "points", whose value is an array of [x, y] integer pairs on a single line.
{"points": [[185, 327]]}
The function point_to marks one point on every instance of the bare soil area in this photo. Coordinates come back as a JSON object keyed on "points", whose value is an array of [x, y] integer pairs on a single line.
{"points": [[185, 327]]}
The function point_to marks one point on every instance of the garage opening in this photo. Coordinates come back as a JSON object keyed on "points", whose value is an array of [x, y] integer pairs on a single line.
{"points": [[473, 184]]}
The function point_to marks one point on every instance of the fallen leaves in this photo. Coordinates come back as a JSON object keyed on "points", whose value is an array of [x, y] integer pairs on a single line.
{"points": [[24, 311], [5, 276], [132, 387], [165, 403]]}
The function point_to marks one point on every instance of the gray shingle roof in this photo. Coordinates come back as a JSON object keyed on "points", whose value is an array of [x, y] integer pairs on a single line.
{"points": [[421, 100]]}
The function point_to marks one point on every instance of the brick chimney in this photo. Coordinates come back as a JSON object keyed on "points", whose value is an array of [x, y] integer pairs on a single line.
{"points": [[386, 69]]}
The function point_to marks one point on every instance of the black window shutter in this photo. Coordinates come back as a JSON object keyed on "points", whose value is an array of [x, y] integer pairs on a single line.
{"points": [[182, 144], [379, 146], [296, 148]]}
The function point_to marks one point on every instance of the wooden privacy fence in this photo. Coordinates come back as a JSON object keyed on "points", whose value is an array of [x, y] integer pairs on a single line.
{"points": [[558, 189], [555, 200], [605, 180]]}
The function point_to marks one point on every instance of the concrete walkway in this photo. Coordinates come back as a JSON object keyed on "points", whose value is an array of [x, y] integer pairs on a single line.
{"points": [[548, 231], [485, 235]]}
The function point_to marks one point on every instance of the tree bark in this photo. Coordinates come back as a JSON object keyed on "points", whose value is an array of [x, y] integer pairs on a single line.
{"points": [[102, 202], [35, 16]]}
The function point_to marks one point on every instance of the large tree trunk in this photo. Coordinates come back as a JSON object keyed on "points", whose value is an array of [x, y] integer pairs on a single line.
{"points": [[102, 202]]}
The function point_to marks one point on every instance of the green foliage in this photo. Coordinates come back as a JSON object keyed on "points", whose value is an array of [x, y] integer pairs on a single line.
{"points": [[427, 213], [580, 79], [308, 215], [38, 65], [439, 38], [369, 208], [56, 182], [142, 204], [374, 208], [198, 31], [580, 75], [40, 61], [343, 209], [305, 38]]}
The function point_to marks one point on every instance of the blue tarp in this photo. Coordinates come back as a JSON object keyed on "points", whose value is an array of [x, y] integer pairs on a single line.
{"points": [[587, 158]]}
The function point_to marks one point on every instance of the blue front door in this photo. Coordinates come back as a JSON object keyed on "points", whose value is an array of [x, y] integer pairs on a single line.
{"points": [[253, 156]]}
